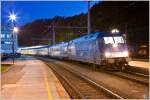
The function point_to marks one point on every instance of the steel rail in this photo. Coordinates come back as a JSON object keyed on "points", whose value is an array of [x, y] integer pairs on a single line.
{"points": [[77, 93], [127, 77], [140, 74], [98, 86]]}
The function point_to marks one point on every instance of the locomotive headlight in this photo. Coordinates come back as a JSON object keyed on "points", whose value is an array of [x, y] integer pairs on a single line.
{"points": [[125, 53], [115, 45], [107, 54]]}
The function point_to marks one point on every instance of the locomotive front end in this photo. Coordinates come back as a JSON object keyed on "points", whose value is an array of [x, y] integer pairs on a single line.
{"points": [[116, 51]]}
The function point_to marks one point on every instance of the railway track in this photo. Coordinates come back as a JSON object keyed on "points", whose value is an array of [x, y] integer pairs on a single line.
{"points": [[79, 86], [138, 74], [75, 68], [135, 77]]}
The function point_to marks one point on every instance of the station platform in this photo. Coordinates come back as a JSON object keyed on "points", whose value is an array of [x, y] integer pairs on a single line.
{"points": [[31, 79], [139, 64], [139, 67]]}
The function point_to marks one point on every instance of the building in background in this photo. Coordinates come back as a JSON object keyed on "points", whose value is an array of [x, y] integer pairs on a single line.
{"points": [[6, 40]]}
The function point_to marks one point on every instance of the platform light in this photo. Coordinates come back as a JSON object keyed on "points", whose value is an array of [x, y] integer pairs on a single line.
{"points": [[115, 31], [12, 17], [15, 29]]}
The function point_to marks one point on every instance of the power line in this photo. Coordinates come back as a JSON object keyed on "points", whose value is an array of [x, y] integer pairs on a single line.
{"points": [[67, 27]]}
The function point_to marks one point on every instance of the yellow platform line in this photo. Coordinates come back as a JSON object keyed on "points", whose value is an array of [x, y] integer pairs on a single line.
{"points": [[49, 93]]}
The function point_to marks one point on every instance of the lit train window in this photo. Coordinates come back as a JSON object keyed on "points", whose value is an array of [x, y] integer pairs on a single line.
{"points": [[113, 40], [108, 40], [118, 39]]}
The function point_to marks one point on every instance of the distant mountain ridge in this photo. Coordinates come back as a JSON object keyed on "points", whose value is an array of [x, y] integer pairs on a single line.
{"points": [[128, 16]]}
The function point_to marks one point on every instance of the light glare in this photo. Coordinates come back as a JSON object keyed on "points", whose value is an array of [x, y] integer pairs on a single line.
{"points": [[12, 17], [126, 53], [15, 29], [115, 45], [107, 54], [115, 31]]}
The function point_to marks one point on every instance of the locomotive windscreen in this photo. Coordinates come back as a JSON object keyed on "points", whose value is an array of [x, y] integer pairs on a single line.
{"points": [[114, 40]]}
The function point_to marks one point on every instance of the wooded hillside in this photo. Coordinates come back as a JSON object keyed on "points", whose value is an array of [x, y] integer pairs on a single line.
{"points": [[130, 16]]}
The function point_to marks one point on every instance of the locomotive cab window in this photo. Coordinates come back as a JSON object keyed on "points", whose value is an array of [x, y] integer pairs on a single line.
{"points": [[119, 39], [108, 40], [113, 40]]}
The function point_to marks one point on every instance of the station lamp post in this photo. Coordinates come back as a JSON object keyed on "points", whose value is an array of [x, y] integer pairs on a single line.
{"points": [[13, 18]]}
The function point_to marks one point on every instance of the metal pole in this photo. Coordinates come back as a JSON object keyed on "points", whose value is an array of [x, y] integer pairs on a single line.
{"points": [[53, 35], [89, 31], [88, 19], [13, 50], [13, 42]]}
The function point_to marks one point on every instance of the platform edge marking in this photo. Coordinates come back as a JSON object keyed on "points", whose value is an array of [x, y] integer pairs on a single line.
{"points": [[47, 87]]}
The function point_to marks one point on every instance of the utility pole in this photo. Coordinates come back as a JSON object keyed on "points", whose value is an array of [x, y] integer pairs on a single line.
{"points": [[89, 31], [13, 51], [13, 40], [89, 19], [53, 35]]}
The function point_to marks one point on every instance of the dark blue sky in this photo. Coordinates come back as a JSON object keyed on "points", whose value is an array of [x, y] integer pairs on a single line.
{"points": [[28, 11]]}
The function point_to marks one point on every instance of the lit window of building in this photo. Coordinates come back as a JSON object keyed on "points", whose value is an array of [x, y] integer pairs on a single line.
{"points": [[2, 35], [6, 40], [8, 35]]}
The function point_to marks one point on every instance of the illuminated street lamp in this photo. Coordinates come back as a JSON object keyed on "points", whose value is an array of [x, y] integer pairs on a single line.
{"points": [[13, 18], [15, 30]]}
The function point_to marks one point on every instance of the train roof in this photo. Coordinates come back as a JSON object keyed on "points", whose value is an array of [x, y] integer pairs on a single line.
{"points": [[34, 47], [94, 36], [88, 37], [44, 46], [60, 44]]}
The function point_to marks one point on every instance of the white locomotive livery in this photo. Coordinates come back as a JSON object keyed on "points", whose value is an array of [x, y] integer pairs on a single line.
{"points": [[100, 48]]}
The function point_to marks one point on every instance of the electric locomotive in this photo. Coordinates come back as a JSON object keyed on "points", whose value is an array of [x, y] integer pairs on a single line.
{"points": [[101, 48], [115, 50]]}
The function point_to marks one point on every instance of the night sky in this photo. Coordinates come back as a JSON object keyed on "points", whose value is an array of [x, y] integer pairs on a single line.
{"points": [[28, 11]]}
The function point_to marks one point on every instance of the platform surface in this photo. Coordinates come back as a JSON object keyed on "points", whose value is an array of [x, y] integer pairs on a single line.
{"points": [[139, 64], [31, 79]]}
